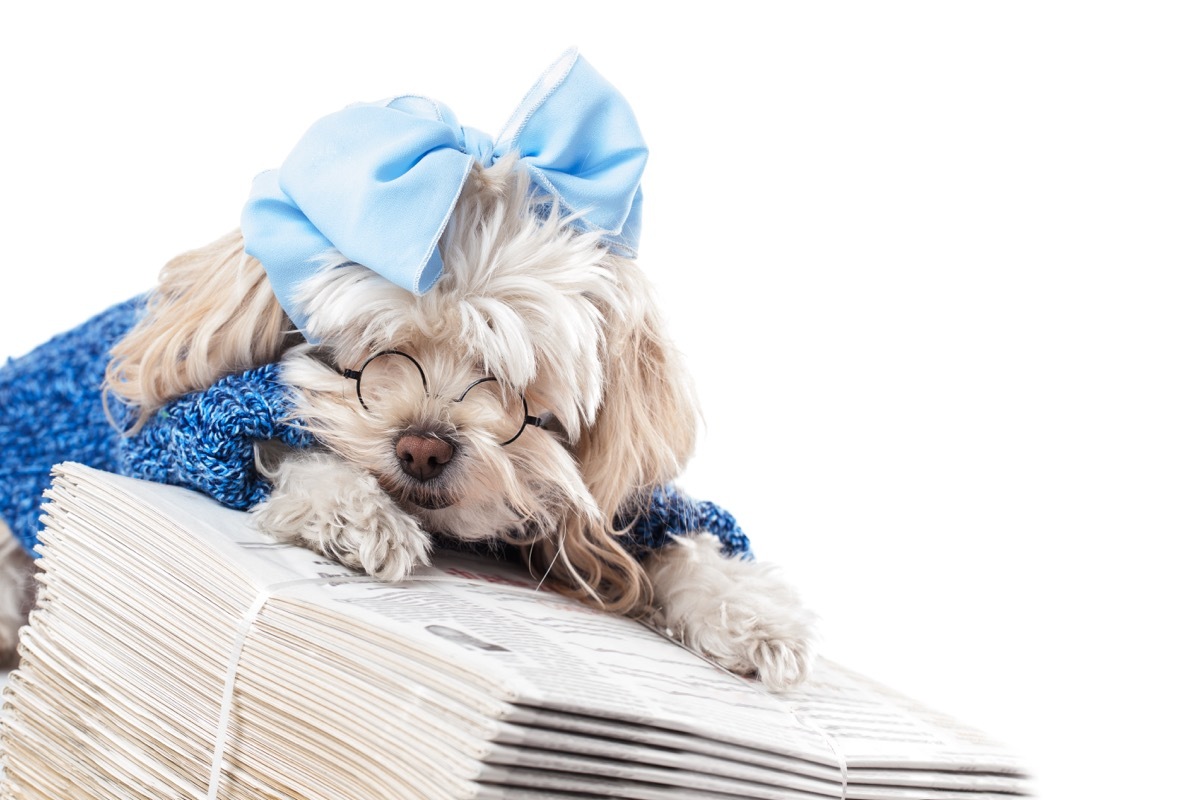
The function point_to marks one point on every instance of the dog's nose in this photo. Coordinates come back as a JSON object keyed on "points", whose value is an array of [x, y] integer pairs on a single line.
{"points": [[423, 457]]}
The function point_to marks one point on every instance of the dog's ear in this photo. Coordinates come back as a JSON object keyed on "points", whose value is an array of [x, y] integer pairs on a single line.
{"points": [[642, 434], [645, 427], [213, 314]]}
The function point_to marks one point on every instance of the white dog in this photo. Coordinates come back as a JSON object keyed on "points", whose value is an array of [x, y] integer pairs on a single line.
{"points": [[530, 396]]}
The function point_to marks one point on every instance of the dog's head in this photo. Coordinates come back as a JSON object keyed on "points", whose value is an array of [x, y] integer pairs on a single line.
{"points": [[530, 395]]}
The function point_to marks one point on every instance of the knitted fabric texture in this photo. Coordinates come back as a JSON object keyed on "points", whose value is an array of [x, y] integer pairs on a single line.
{"points": [[51, 410], [205, 440], [668, 513]]}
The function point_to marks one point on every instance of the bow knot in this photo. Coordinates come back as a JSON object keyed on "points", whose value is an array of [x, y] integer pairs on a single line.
{"points": [[377, 182], [479, 146]]}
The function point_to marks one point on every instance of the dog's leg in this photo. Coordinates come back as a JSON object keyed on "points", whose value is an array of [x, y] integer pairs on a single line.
{"points": [[741, 614], [17, 589], [340, 511]]}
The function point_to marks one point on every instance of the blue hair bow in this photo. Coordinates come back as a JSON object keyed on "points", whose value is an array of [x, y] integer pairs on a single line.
{"points": [[377, 182]]}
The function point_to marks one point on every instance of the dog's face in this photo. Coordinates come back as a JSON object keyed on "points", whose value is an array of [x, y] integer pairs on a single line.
{"points": [[445, 437], [437, 395], [429, 394]]}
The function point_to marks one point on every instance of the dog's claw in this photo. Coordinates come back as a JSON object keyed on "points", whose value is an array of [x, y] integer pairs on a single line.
{"points": [[388, 546], [772, 642], [781, 664]]}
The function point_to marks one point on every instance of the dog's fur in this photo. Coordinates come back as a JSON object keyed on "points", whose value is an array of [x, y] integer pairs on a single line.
{"points": [[16, 594], [548, 311]]}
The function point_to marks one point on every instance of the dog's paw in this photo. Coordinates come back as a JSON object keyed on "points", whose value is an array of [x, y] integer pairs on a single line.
{"points": [[751, 640], [740, 614], [368, 534], [341, 512]]}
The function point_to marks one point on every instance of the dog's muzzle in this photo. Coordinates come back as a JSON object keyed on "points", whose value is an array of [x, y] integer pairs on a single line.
{"points": [[423, 457]]}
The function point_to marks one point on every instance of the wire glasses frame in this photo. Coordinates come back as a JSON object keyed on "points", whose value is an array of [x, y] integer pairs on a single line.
{"points": [[357, 375]]}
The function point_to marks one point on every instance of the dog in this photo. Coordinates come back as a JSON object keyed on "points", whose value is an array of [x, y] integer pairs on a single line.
{"points": [[530, 397]]}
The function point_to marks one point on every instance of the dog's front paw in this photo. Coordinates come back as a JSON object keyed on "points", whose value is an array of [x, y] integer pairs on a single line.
{"points": [[740, 614], [341, 512], [746, 638]]}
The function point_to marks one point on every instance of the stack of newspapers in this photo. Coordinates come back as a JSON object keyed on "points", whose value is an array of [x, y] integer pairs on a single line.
{"points": [[178, 653]]}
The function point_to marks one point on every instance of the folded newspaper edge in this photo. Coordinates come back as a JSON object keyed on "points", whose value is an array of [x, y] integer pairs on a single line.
{"points": [[467, 669]]}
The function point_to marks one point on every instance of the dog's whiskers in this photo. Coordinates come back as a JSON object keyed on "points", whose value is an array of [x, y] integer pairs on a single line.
{"points": [[549, 567]]}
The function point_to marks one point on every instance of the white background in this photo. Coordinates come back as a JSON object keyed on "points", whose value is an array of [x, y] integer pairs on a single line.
{"points": [[934, 266]]}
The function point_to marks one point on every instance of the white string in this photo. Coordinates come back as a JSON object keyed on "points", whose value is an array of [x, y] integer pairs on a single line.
{"points": [[266, 593], [830, 742], [235, 657]]}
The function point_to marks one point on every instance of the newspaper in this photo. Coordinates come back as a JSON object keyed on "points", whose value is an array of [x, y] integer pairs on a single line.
{"points": [[223, 664]]}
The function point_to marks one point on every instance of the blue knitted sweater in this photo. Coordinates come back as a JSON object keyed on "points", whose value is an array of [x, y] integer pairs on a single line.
{"points": [[51, 410]]}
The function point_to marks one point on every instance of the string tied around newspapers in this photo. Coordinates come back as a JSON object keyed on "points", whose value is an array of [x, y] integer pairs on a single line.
{"points": [[265, 594], [245, 626], [830, 741]]}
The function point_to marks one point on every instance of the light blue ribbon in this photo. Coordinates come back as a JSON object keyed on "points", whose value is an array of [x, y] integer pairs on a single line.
{"points": [[377, 182]]}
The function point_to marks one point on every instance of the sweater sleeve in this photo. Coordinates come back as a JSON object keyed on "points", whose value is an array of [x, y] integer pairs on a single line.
{"points": [[52, 410], [667, 512], [205, 440]]}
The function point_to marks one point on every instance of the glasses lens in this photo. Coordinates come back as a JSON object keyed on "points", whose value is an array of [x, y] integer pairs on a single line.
{"points": [[495, 407], [390, 377]]}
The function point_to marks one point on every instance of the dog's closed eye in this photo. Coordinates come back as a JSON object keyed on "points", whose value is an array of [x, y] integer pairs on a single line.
{"points": [[550, 424]]}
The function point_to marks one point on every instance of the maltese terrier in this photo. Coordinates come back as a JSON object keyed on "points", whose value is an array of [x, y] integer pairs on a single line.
{"points": [[509, 382]]}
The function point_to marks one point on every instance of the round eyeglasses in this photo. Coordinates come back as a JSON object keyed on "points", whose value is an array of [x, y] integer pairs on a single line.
{"points": [[495, 406]]}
